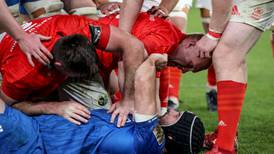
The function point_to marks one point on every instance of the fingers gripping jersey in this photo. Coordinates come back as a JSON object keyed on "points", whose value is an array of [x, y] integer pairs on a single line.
{"points": [[20, 79], [100, 136]]}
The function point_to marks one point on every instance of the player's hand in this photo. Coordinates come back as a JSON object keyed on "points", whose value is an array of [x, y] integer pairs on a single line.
{"points": [[121, 110], [31, 45], [206, 47], [158, 12], [160, 60], [73, 112], [109, 8]]}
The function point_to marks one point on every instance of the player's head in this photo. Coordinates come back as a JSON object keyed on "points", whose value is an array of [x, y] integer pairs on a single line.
{"points": [[75, 57], [184, 132], [186, 57]]}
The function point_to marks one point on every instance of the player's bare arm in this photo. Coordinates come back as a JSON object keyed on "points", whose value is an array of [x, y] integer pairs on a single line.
{"points": [[132, 55], [219, 20], [165, 7], [70, 110], [128, 14], [29, 43], [145, 100], [220, 15]]}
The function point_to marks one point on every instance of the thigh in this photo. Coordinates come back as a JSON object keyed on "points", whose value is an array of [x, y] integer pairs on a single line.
{"points": [[229, 55], [237, 39]]}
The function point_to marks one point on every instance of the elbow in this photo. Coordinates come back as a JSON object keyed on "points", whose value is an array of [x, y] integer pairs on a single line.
{"points": [[135, 51], [137, 47]]}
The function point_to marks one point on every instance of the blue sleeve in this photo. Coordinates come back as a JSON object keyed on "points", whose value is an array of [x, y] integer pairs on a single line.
{"points": [[22, 9], [12, 2]]}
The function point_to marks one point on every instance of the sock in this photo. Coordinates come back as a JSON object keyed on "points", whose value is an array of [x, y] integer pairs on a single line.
{"points": [[230, 100], [169, 83], [211, 78]]}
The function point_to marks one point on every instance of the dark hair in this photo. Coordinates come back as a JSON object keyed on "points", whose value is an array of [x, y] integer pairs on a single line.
{"points": [[77, 55]]}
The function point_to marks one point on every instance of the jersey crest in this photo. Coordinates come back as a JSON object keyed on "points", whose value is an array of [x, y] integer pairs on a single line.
{"points": [[159, 134]]}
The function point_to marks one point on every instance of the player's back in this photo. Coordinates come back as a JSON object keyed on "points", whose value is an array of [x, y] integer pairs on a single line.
{"points": [[133, 138], [99, 135], [19, 133], [157, 34], [20, 79]]}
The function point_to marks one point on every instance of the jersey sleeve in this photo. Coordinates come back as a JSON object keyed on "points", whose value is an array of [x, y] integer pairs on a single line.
{"points": [[17, 89], [93, 30], [99, 35]]}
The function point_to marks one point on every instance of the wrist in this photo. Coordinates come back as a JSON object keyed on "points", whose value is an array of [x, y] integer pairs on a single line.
{"points": [[51, 108], [214, 30], [20, 36], [213, 35], [165, 10]]}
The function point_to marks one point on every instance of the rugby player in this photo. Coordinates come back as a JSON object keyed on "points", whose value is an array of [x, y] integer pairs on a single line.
{"points": [[22, 82], [17, 87], [205, 7], [248, 20], [158, 35], [170, 76], [141, 134]]}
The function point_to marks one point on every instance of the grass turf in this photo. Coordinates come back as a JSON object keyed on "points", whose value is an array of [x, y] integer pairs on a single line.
{"points": [[256, 129]]}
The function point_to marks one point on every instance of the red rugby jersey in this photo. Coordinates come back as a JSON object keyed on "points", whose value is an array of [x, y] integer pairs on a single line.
{"points": [[157, 34], [20, 79]]}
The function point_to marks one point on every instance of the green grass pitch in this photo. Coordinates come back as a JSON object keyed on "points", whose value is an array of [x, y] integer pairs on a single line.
{"points": [[256, 129]]}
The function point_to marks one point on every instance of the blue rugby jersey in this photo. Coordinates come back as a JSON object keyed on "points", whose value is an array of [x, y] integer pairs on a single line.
{"points": [[99, 136], [19, 134]]}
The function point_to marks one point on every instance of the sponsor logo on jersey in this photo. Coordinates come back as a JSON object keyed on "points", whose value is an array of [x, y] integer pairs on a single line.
{"points": [[235, 10], [159, 134], [257, 13]]}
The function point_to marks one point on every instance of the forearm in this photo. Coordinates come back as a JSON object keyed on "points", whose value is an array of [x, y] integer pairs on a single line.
{"points": [[133, 56], [9, 24], [168, 5], [129, 13], [221, 14], [121, 75], [36, 108]]}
